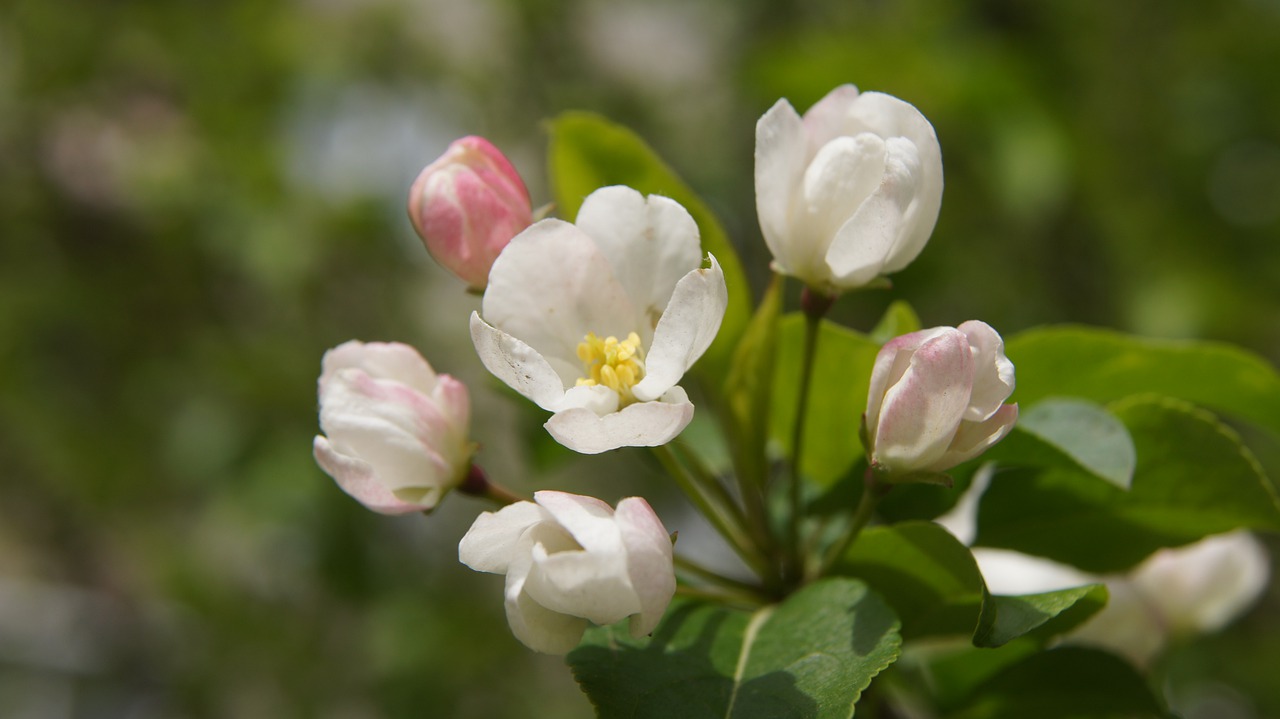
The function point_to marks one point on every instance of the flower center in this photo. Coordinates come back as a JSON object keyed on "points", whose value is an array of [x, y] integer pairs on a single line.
{"points": [[618, 365]]}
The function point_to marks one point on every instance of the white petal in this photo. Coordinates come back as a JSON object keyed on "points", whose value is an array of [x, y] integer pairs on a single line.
{"points": [[597, 398], [1203, 586], [490, 544], [974, 438], [551, 286], [517, 364], [840, 178], [537, 627], [829, 117], [650, 244], [592, 585], [1012, 573], [643, 424], [686, 329], [1127, 625], [889, 117], [781, 158], [383, 360], [588, 520], [356, 477], [922, 411], [993, 378], [872, 241], [401, 460], [649, 562]]}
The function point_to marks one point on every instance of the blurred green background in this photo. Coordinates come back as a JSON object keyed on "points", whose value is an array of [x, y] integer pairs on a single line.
{"points": [[197, 199]]}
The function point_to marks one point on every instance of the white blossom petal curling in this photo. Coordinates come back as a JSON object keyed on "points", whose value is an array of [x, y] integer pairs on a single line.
{"points": [[598, 321], [396, 434], [849, 192], [570, 560], [937, 399]]}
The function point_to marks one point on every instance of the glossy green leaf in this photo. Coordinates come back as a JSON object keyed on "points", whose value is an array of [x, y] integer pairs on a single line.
{"points": [[927, 576], [1063, 683], [837, 399], [1105, 366], [1074, 432], [588, 152], [1047, 614], [899, 319], [1193, 478], [810, 656]]}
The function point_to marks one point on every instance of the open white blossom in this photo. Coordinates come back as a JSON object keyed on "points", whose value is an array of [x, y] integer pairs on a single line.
{"points": [[571, 559], [598, 321], [396, 433], [1177, 592], [849, 192]]}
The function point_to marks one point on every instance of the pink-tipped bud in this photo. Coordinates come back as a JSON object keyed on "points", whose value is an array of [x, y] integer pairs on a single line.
{"points": [[467, 205]]}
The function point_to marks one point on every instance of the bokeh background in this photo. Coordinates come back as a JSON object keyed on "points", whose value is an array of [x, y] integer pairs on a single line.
{"points": [[197, 199]]}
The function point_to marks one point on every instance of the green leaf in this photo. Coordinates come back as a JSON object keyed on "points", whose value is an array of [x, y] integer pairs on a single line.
{"points": [[838, 397], [748, 390], [1063, 683], [1075, 430], [926, 575], [1105, 366], [899, 319], [1193, 478], [588, 152], [810, 656], [1005, 618]]}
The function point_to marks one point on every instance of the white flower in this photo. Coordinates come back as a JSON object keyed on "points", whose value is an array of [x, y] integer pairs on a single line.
{"points": [[397, 433], [937, 398], [850, 191], [571, 559], [597, 321], [1189, 590]]}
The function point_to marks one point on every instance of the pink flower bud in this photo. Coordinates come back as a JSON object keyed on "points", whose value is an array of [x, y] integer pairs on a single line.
{"points": [[396, 433], [937, 399], [467, 205]]}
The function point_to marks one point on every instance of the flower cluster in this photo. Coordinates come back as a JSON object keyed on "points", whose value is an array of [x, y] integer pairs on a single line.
{"points": [[599, 321]]}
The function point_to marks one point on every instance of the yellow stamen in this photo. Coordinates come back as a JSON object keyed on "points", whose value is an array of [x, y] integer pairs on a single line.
{"points": [[616, 365]]}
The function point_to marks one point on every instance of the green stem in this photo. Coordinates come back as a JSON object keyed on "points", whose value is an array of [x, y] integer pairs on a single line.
{"points": [[694, 569], [724, 518], [815, 306], [873, 491], [478, 484], [743, 599]]}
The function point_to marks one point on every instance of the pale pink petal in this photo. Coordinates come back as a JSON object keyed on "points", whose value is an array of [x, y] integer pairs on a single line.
{"points": [[650, 244], [491, 543], [922, 410], [643, 424], [993, 378], [892, 362], [686, 329], [1204, 586], [649, 562], [357, 478], [551, 286], [384, 360], [974, 438], [517, 364]]}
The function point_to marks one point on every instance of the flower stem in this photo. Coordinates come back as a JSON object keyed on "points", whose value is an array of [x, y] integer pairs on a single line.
{"points": [[696, 570], [873, 491], [726, 518], [478, 484], [815, 305]]}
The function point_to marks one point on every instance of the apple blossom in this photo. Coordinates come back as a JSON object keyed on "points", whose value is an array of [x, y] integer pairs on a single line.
{"points": [[937, 399], [467, 205], [1176, 592], [570, 560], [598, 321], [849, 192], [395, 433]]}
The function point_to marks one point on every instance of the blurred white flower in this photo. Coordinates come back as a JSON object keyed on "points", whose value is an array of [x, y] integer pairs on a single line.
{"points": [[849, 192], [571, 559], [597, 321], [937, 399], [396, 434]]}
